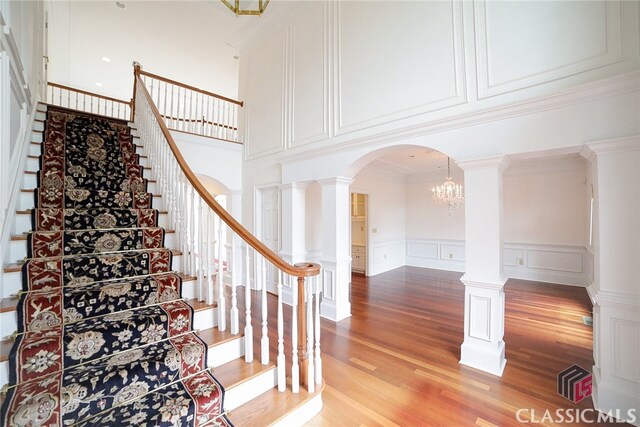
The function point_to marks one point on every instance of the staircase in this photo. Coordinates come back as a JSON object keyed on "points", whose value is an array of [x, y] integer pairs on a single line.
{"points": [[105, 279]]}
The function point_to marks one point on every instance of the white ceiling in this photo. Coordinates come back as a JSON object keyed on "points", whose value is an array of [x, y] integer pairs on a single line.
{"points": [[191, 41]]}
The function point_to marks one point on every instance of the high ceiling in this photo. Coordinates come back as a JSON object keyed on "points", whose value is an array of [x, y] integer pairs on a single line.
{"points": [[192, 41]]}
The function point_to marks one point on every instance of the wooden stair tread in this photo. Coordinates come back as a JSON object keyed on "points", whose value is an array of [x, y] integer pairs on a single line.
{"points": [[200, 305], [8, 304], [271, 406], [213, 336], [237, 371]]}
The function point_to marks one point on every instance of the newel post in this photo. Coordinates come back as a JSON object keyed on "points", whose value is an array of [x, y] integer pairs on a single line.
{"points": [[303, 361], [136, 71]]}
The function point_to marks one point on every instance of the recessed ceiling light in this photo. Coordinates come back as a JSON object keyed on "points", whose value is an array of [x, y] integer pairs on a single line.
{"points": [[99, 84], [105, 59], [235, 56], [121, 5]]}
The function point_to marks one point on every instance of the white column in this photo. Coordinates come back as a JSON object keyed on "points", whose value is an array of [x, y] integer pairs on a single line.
{"points": [[336, 256], [615, 291], [483, 346], [293, 246]]}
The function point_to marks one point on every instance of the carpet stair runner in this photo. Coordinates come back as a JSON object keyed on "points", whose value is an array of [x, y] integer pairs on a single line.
{"points": [[103, 335]]}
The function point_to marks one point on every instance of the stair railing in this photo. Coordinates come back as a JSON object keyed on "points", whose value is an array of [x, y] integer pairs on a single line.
{"points": [[193, 213], [89, 102], [190, 109]]}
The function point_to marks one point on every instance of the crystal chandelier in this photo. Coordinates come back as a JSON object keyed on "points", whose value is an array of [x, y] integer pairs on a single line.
{"points": [[449, 194], [246, 7]]}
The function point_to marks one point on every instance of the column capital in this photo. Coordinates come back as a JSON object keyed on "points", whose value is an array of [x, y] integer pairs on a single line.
{"points": [[336, 180], [499, 162], [496, 285], [293, 185], [630, 143]]}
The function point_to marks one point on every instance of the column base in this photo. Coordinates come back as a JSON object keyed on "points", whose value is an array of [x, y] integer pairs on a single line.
{"points": [[620, 402], [488, 359], [330, 310]]}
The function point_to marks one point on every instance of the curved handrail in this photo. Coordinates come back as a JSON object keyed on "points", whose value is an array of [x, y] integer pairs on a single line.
{"points": [[300, 270]]}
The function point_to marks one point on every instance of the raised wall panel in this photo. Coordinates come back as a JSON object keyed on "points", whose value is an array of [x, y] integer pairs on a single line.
{"points": [[265, 127], [480, 317], [413, 66], [626, 347], [527, 43], [510, 256], [557, 261], [452, 252], [309, 63], [422, 250]]}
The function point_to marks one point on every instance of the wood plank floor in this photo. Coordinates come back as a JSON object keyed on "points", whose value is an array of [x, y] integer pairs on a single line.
{"points": [[395, 361]]}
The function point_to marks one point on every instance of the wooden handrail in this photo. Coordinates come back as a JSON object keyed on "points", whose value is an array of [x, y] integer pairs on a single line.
{"points": [[300, 270], [193, 88], [85, 92]]}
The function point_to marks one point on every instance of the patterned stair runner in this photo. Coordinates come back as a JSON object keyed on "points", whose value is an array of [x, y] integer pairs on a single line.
{"points": [[103, 335]]}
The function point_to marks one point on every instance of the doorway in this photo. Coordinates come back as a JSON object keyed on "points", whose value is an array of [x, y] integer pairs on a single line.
{"points": [[359, 218]]}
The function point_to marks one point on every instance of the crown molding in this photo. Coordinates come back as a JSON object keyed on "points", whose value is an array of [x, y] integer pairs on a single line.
{"points": [[618, 145], [499, 162]]}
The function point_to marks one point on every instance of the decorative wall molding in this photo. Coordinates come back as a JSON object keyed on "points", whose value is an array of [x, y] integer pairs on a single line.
{"points": [[385, 256], [257, 69], [458, 97], [293, 140], [560, 264], [487, 84]]}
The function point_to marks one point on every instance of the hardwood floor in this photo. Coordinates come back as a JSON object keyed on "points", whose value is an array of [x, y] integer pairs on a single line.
{"points": [[395, 361]]}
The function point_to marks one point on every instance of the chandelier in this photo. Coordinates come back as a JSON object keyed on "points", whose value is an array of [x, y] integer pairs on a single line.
{"points": [[449, 194], [246, 7]]}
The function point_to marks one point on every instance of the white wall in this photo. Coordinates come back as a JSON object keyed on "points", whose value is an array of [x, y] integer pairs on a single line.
{"points": [[545, 222], [21, 74], [336, 81], [180, 40], [386, 218], [216, 159]]}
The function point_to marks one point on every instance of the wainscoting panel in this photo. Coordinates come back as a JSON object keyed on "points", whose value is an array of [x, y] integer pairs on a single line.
{"points": [[546, 263], [386, 256]]}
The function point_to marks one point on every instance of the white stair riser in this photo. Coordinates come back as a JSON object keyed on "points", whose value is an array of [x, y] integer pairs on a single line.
{"points": [[223, 353], [205, 319], [18, 248], [41, 114], [4, 373], [23, 223], [303, 413], [8, 323], [30, 181], [36, 136], [38, 126], [35, 149], [248, 390]]}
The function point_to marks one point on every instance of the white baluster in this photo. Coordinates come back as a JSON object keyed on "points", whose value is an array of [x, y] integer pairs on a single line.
{"points": [[248, 329], [295, 367], [192, 232], [235, 327], [208, 259], [264, 342], [222, 307], [281, 366], [310, 332], [201, 261], [318, 358]]}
